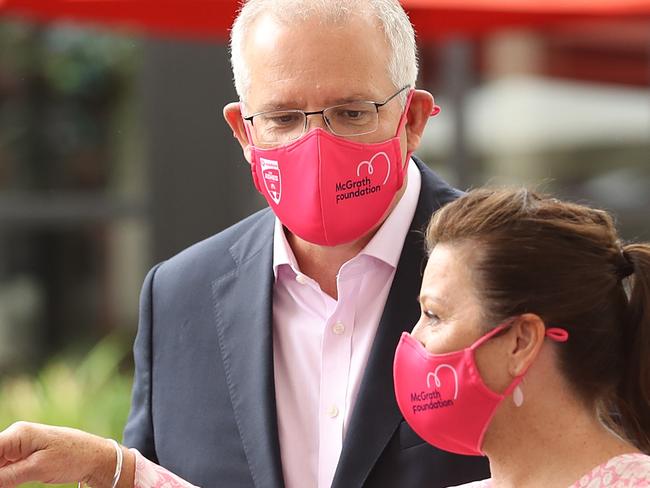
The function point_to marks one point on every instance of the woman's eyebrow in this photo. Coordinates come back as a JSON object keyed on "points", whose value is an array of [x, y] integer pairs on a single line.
{"points": [[420, 299]]}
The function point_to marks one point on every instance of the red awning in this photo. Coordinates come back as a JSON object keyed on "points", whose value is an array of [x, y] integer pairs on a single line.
{"points": [[432, 18]]}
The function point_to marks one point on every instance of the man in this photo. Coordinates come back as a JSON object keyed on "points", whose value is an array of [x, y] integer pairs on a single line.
{"points": [[264, 354]]}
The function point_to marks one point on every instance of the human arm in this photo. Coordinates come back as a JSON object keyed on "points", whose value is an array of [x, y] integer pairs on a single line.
{"points": [[48, 454], [36, 452]]}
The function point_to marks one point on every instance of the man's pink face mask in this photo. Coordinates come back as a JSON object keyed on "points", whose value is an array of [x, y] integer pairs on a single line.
{"points": [[326, 189]]}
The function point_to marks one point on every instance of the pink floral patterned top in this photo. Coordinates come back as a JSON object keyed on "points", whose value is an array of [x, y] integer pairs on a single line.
{"points": [[625, 471], [151, 475]]}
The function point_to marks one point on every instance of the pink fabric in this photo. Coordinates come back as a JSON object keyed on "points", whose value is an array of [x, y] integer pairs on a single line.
{"points": [[625, 471], [321, 346], [151, 475], [628, 470]]}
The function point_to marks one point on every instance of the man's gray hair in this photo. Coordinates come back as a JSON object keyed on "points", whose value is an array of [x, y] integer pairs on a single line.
{"points": [[402, 64]]}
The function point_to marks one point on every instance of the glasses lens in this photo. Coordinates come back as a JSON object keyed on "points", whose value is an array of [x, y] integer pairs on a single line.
{"points": [[352, 119], [279, 127]]}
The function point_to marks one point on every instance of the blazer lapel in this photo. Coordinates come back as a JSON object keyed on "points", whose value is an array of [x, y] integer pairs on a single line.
{"points": [[376, 415], [243, 312]]}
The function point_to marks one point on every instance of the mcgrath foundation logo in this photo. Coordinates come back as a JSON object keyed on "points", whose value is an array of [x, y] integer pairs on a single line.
{"points": [[371, 166], [437, 381], [437, 396], [369, 175], [272, 178]]}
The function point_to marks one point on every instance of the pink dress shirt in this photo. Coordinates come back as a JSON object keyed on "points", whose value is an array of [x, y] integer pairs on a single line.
{"points": [[321, 345]]}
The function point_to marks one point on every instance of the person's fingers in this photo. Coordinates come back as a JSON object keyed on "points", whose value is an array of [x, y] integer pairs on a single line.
{"points": [[50, 454], [20, 472], [25, 454], [20, 458], [17, 442]]}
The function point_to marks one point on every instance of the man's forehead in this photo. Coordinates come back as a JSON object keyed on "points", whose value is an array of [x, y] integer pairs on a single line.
{"points": [[276, 36], [312, 65]]}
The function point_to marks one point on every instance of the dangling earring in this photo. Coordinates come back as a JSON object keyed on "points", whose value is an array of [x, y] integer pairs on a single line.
{"points": [[518, 396]]}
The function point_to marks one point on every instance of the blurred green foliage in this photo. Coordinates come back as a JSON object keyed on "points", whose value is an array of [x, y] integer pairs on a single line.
{"points": [[91, 393]]}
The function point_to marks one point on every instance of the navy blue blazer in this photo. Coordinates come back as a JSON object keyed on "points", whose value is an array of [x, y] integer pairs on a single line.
{"points": [[203, 401]]}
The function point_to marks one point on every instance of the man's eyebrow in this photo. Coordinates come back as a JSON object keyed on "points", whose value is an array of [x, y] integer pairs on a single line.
{"points": [[271, 106], [292, 105], [357, 97]]}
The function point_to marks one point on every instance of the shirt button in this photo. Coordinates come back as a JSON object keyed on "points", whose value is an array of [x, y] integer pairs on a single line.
{"points": [[301, 278], [332, 411], [338, 328]]}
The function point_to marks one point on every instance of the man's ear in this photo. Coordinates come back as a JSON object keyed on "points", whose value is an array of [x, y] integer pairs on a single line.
{"points": [[232, 114], [528, 337], [416, 118]]}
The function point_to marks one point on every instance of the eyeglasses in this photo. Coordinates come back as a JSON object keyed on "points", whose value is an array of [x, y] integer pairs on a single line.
{"points": [[346, 120]]}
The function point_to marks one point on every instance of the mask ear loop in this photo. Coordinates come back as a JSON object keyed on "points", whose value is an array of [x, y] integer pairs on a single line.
{"points": [[482, 340], [402, 123], [403, 118], [249, 134], [556, 334]]}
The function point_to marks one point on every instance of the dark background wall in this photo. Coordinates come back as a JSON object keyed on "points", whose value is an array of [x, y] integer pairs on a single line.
{"points": [[200, 181]]}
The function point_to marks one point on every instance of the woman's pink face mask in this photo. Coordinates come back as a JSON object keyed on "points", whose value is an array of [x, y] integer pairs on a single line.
{"points": [[443, 397]]}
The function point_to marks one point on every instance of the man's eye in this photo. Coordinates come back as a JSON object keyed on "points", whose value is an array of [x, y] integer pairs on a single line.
{"points": [[279, 120], [352, 114], [284, 119]]}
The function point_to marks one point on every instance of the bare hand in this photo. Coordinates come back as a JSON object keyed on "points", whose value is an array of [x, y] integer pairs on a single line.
{"points": [[36, 452]]}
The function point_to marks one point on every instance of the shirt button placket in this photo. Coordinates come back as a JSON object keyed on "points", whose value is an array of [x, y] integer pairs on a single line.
{"points": [[334, 382], [338, 328], [333, 411]]}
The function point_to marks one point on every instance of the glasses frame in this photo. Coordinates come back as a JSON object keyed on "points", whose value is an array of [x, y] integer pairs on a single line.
{"points": [[378, 105]]}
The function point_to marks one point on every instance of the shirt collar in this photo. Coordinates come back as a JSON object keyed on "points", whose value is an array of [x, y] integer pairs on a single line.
{"points": [[386, 245], [282, 252]]}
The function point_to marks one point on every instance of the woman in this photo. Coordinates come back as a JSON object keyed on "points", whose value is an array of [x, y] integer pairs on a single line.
{"points": [[533, 346], [523, 295]]}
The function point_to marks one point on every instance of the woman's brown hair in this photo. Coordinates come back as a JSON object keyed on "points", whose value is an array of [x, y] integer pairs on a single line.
{"points": [[565, 263]]}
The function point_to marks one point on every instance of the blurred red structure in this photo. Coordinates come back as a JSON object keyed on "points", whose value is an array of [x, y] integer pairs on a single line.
{"points": [[433, 19], [583, 33]]}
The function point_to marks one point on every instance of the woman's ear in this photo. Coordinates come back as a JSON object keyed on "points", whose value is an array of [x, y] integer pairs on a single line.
{"points": [[233, 115], [529, 332], [416, 118]]}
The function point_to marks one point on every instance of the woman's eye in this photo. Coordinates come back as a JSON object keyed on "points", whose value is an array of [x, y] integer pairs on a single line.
{"points": [[432, 318]]}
